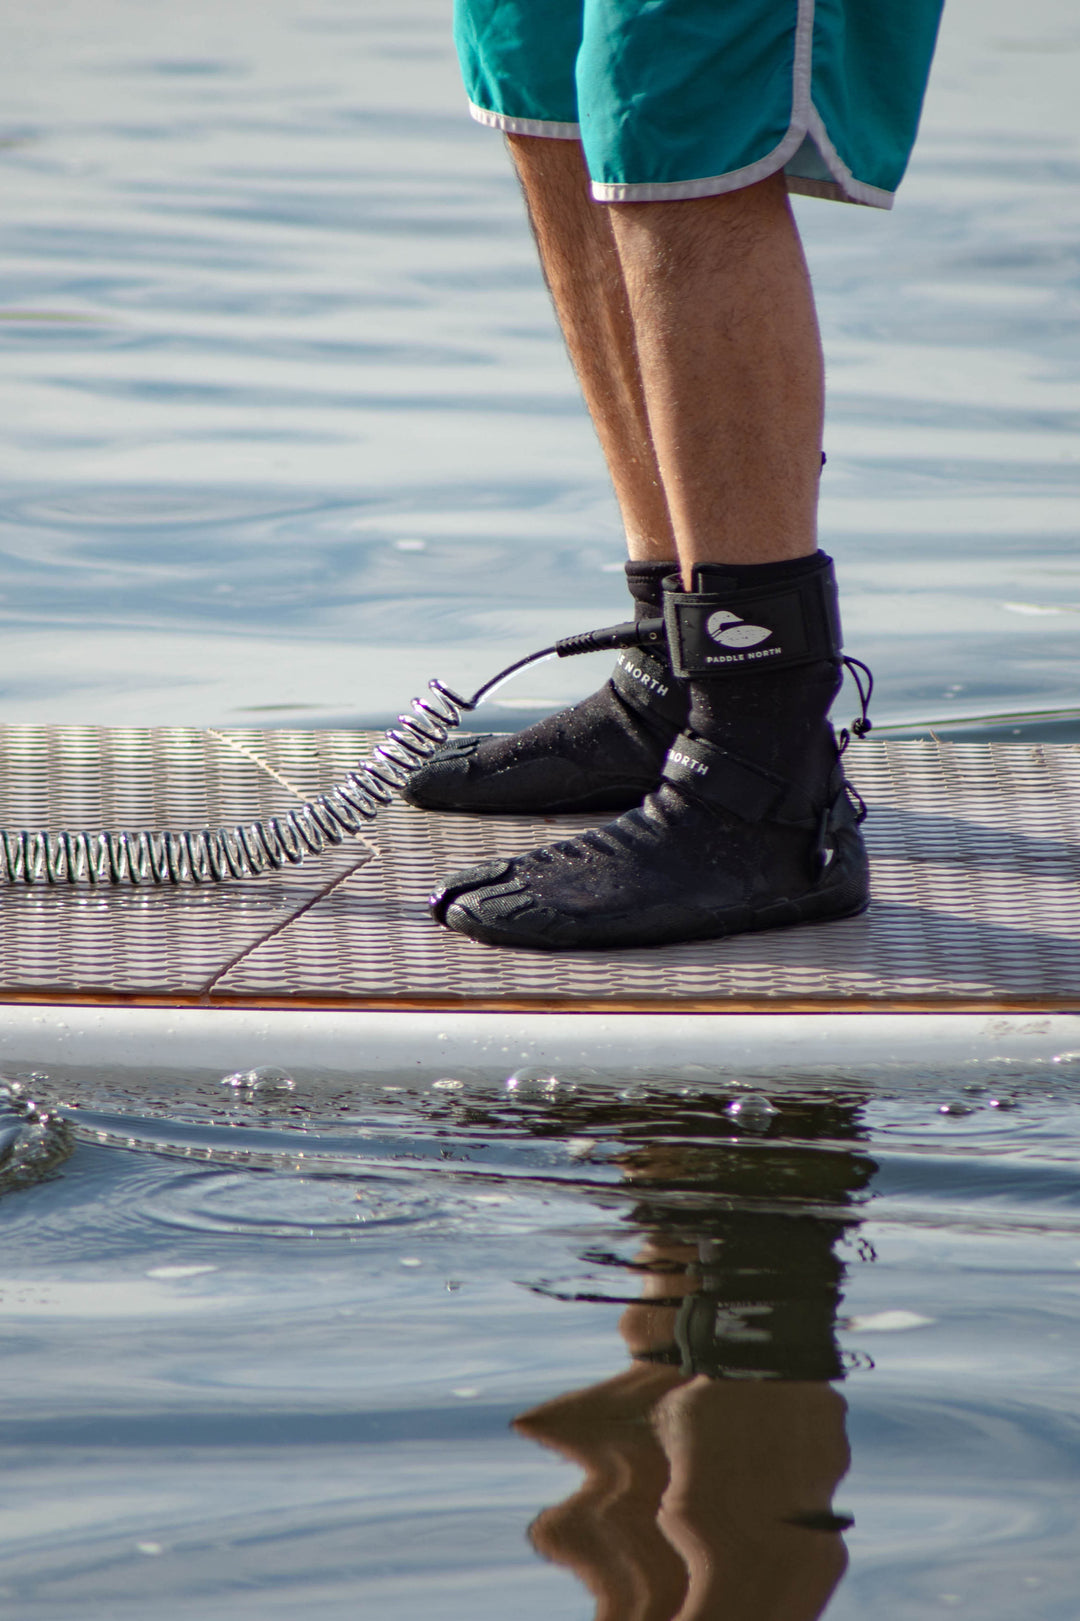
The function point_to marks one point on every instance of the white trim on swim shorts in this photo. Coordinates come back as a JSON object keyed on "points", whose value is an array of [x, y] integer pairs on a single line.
{"points": [[525, 126], [805, 121], [856, 191]]}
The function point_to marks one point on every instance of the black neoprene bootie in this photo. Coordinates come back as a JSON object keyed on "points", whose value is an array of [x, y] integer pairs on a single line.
{"points": [[603, 754], [753, 825]]}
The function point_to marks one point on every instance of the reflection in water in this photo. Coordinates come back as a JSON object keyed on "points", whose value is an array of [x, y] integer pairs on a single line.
{"points": [[711, 1462]]}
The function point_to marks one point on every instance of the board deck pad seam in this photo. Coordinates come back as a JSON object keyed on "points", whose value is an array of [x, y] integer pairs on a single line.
{"points": [[975, 853]]}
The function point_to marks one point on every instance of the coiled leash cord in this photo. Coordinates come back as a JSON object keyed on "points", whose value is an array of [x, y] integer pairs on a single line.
{"points": [[248, 850]]}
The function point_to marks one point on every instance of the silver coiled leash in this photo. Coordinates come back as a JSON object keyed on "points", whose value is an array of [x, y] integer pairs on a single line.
{"points": [[220, 855]]}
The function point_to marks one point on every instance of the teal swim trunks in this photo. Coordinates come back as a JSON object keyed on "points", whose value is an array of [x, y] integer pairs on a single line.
{"points": [[690, 98]]}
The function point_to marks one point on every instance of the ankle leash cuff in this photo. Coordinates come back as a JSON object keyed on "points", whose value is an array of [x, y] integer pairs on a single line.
{"points": [[725, 631]]}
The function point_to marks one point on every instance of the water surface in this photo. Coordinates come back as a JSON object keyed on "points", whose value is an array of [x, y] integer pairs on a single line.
{"points": [[352, 1343]]}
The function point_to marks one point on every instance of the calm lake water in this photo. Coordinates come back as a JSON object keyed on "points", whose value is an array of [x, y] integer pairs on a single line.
{"points": [[287, 432]]}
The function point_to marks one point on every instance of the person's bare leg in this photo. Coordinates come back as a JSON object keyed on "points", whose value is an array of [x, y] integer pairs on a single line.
{"points": [[581, 266], [606, 752], [728, 349], [692, 329]]}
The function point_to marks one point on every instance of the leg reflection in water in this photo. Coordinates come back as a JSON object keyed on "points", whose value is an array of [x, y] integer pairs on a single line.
{"points": [[711, 1462]]}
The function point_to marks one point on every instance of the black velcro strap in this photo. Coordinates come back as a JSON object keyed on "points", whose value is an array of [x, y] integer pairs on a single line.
{"points": [[648, 685], [718, 632], [720, 778]]}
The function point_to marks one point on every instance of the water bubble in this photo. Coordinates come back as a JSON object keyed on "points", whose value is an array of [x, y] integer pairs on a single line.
{"points": [[264, 1079], [1004, 1103], [447, 1085], [957, 1109], [410, 1260], [753, 1112], [533, 1079]]}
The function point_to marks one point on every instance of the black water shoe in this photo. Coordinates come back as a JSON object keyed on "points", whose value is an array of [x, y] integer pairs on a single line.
{"points": [[753, 825], [603, 754], [720, 848]]}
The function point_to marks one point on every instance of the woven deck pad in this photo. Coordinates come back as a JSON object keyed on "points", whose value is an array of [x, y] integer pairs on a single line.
{"points": [[976, 881]]}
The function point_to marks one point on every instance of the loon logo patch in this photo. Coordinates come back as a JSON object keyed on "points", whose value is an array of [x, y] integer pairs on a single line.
{"points": [[730, 631]]}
